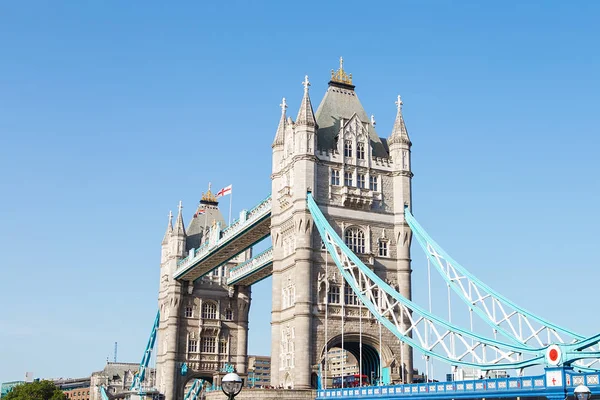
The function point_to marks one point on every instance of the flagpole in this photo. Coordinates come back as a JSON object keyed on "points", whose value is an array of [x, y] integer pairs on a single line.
{"points": [[230, 202]]}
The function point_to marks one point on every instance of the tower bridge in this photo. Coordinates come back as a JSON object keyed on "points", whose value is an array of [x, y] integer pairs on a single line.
{"points": [[340, 222]]}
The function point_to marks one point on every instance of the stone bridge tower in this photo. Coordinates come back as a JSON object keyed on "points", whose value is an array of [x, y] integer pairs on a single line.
{"points": [[203, 324], [362, 183]]}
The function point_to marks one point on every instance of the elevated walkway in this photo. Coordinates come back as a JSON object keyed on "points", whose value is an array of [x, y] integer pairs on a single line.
{"points": [[252, 227], [254, 270]]}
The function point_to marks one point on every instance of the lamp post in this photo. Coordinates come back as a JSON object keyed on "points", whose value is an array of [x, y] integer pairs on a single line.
{"points": [[582, 392], [231, 385]]}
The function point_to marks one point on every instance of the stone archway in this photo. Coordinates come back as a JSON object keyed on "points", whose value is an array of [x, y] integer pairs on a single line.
{"points": [[186, 381], [371, 359]]}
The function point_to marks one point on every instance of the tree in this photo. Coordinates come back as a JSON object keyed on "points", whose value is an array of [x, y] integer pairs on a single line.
{"points": [[40, 390]]}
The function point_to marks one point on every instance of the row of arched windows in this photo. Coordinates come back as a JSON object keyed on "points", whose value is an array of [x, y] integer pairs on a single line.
{"points": [[354, 238], [209, 311]]}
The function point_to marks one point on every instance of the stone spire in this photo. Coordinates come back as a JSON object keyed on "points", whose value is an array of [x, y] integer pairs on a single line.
{"points": [[179, 228], [169, 231], [305, 114], [399, 133], [281, 128]]}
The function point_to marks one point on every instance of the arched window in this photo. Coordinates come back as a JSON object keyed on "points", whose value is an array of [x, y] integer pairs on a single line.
{"points": [[355, 240], [209, 311], [360, 151]]}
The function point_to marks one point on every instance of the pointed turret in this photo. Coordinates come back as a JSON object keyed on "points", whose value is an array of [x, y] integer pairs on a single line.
{"points": [[399, 133], [306, 115], [282, 124], [169, 231], [179, 227]]}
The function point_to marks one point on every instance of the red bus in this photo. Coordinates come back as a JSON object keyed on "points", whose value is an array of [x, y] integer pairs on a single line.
{"points": [[354, 380]]}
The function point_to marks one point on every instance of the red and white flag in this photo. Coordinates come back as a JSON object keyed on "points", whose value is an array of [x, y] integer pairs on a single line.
{"points": [[225, 191]]}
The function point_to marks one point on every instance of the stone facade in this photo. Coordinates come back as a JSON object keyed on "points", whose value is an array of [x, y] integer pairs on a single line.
{"points": [[362, 184], [203, 324]]}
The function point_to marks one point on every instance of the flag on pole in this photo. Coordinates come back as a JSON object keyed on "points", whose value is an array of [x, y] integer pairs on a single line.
{"points": [[224, 192]]}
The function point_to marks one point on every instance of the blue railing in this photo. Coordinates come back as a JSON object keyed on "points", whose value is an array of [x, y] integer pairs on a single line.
{"points": [[474, 388]]}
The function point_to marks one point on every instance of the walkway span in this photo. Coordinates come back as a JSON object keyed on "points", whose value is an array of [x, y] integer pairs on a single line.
{"points": [[252, 227]]}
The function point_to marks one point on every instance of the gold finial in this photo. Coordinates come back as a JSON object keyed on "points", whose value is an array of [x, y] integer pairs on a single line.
{"points": [[209, 196], [340, 75]]}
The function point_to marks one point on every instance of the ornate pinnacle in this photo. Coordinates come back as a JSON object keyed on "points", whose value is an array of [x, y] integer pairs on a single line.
{"points": [[399, 103], [373, 120], [283, 105], [341, 76], [306, 84]]}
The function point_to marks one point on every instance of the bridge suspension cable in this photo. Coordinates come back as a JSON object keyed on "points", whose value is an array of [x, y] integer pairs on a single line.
{"points": [[386, 304], [504, 316]]}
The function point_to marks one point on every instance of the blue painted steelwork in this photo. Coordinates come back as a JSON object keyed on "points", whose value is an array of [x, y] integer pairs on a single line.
{"points": [[385, 304], [501, 313], [250, 267], [388, 306], [195, 390], [250, 219], [141, 374], [555, 383], [103, 394]]}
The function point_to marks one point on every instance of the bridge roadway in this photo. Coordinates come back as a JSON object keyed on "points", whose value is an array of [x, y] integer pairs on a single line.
{"points": [[252, 227], [556, 384]]}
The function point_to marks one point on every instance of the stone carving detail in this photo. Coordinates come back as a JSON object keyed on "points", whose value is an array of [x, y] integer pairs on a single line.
{"points": [[286, 348]]}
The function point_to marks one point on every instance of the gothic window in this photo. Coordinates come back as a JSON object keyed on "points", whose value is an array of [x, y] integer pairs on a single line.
{"points": [[208, 344], [333, 297], [209, 311], [355, 240], [360, 151], [229, 314], [189, 312], [348, 178], [192, 345], [349, 296], [348, 148], [288, 295], [223, 347], [360, 181], [335, 177], [383, 248], [373, 183]]}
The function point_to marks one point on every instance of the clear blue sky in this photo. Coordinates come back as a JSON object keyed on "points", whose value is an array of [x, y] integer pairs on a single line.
{"points": [[111, 112]]}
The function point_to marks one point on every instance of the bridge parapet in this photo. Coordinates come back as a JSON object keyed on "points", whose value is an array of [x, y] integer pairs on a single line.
{"points": [[482, 388]]}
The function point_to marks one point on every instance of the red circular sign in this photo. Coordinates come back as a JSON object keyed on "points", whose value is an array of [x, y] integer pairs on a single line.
{"points": [[553, 355]]}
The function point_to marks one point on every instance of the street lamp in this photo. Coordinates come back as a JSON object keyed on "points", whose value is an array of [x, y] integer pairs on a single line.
{"points": [[582, 392], [231, 385]]}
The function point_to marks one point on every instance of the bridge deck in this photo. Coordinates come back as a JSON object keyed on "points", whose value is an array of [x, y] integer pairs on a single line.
{"points": [[549, 385], [252, 227]]}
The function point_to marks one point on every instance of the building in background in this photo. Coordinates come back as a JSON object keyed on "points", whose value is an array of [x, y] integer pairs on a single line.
{"points": [[116, 378], [341, 360], [76, 389], [259, 371], [8, 386]]}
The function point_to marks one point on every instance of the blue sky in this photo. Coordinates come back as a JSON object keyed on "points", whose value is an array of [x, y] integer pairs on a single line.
{"points": [[111, 112]]}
